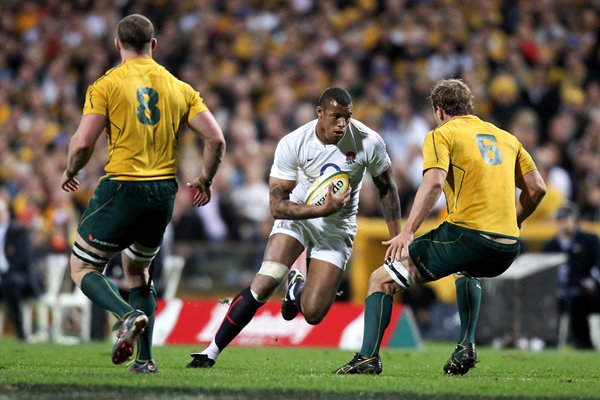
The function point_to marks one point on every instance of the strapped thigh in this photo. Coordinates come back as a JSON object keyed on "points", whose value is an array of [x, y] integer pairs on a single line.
{"points": [[399, 273], [137, 254], [89, 256]]}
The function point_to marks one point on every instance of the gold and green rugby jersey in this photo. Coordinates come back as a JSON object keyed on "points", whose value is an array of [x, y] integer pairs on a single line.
{"points": [[146, 107], [482, 162]]}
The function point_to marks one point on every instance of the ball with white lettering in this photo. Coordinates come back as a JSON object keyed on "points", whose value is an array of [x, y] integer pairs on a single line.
{"points": [[317, 192]]}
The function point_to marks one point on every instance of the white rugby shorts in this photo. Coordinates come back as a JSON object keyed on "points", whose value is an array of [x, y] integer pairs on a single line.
{"points": [[323, 240]]}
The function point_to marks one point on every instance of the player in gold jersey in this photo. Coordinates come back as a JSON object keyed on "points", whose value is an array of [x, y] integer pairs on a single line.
{"points": [[479, 167], [142, 108]]}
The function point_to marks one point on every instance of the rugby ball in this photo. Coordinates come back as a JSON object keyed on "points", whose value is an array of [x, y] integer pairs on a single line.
{"points": [[317, 191]]}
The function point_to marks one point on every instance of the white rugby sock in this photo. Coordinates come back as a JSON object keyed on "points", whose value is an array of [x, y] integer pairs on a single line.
{"points": [[212, 351]]}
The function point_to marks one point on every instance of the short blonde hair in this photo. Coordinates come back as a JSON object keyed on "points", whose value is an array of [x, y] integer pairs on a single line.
{"points": [[453, 96]]}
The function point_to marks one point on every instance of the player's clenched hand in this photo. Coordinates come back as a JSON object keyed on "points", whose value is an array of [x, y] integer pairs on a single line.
{"points": [[335, 203], [69, 183], [203, 193], [398, 246]]}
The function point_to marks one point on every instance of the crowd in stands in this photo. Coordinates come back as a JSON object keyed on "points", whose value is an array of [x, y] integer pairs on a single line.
{"points": [[534, 67]]}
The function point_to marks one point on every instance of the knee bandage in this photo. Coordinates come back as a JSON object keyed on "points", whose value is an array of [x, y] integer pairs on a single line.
{"points": [[399, 273], [275, 270]]}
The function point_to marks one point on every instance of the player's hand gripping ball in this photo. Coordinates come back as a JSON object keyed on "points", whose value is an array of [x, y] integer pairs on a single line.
{"points": [[317, 192]]}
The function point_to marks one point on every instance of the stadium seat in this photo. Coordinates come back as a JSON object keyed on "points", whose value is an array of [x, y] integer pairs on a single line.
{"points": [[173, 267], [78, 308], [53, 269], [594, 323]]}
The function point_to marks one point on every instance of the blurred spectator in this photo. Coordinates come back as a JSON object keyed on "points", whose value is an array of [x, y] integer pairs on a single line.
{"points": [[19, 275], [591, 203], [578, 279], [525, 126], [550, 156], [505, 100], [554, 197], [251, 199], [541, 95], [404, 128]]}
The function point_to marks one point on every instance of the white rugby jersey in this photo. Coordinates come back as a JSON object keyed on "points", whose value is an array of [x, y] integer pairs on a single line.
{"points": [[300, 156]]}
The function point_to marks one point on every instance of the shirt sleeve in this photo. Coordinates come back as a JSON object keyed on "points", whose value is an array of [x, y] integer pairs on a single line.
{"points": [[285, 163], [379, 159], [95, 100], [196, 102], [436, 151], [525, 163]]}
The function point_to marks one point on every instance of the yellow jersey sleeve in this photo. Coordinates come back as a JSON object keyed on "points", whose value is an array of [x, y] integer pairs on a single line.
{"points": [[95, 99], [436, 151], [525, 163], [196, 102]]}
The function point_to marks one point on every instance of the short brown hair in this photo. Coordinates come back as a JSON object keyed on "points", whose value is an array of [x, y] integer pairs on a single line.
{"points": [[453, 96], [135, 33]]}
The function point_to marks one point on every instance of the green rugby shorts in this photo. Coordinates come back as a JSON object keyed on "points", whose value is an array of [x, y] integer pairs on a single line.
{"points": [[123, 212], [449, 249]]}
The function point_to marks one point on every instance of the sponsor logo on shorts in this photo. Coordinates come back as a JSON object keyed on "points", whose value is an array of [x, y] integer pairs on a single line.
{"points": [[103, 243], [427, 271]]}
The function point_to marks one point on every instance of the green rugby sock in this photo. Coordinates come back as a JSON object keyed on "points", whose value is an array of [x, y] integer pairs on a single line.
{"points": [[378, 312], [142, 299], [104, 293], [468, 299]]}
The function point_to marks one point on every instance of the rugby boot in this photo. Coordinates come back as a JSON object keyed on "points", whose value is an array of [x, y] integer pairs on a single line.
{"points": [[133, 324], [200, 361], [143, 367], [289, 310], [463, 358], [361, 365]]}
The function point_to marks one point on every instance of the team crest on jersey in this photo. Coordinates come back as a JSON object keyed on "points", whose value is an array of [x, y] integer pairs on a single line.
{"points": [[350, 157]]}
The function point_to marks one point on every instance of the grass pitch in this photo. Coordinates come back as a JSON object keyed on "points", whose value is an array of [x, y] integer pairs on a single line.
{"points": [[52, 371]]}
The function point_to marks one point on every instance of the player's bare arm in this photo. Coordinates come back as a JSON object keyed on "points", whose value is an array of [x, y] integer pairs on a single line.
{"points": [[389, 200], [81, 148], [425, 199], [205, 125], [283, 208], [533, 190]]}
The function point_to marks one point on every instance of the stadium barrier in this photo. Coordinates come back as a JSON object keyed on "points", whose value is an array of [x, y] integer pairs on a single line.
{"points": [[521, 304], [196, 322]]}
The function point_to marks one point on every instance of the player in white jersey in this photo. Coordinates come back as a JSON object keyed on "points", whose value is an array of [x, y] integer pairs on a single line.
{"points": [[302, 157], [326, 231]]}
